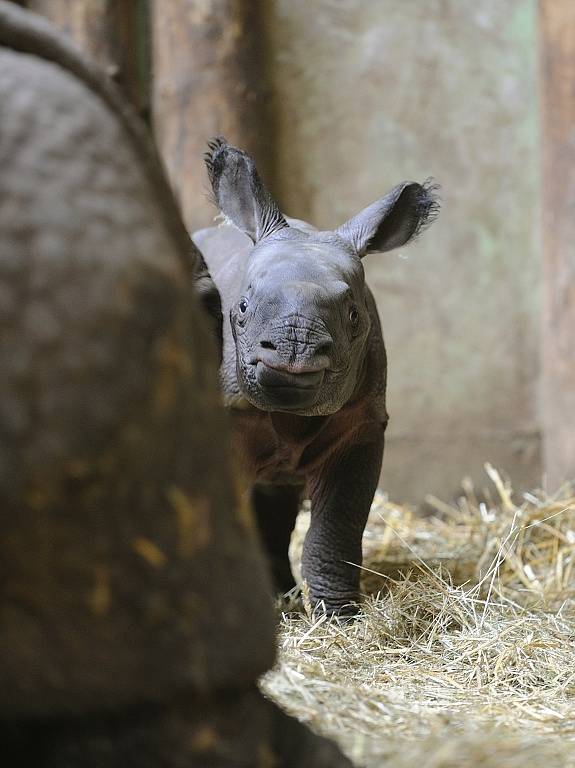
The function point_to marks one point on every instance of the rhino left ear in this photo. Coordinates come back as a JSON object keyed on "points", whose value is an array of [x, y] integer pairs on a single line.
{"points": [[394, 220], [240, 193]]}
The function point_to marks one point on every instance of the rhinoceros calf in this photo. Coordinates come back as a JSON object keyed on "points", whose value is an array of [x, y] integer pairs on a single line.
{"points": [[134, 613], [304, 366]]}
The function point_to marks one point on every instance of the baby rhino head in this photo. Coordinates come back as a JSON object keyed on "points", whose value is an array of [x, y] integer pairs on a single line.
{"points": [[299, 316]]}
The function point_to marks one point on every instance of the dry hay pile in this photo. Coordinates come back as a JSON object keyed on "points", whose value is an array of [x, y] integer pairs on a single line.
{"points": [[464, 654]]}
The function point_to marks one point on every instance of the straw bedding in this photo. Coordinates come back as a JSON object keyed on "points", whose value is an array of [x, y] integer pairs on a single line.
{"points": [[464, 653]]}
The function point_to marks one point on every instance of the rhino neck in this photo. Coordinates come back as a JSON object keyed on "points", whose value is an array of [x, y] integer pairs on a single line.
{"points": [[297, 429]]}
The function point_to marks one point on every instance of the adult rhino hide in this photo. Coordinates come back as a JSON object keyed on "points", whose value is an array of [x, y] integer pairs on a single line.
{"points": [[134, 613]]}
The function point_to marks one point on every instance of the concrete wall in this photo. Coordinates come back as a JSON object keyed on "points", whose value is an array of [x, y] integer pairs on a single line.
{"points": [[369, 92]]}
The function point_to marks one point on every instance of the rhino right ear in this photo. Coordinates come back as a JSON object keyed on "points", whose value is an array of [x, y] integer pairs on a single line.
{"points": [[239, 191], [394, 220]]}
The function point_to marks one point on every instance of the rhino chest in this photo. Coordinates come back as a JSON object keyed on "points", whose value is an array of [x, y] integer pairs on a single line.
{"points": [[282, 448], [279, 447]]}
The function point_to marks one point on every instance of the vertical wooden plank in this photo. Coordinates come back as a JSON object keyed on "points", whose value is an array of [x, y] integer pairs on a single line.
{"points": [[207, 81], [111, 32], [88, 22], [557, 52]]}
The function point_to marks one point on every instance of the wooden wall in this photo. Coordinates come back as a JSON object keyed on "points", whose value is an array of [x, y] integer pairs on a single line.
{"points": [[113, 33], [207, 81], [557, 52]]}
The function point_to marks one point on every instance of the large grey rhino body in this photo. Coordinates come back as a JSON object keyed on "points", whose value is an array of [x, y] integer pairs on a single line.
{"points": [[134, 612], [304, 367]]}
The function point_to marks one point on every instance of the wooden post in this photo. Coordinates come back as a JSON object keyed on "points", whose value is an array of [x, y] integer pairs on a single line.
{"points": [[557, 51], [113, 33], [207, 81]]}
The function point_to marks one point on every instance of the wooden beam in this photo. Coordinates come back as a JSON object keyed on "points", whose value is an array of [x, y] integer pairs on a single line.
{"points": [[557, 57], [207, 81], [113, 33]]}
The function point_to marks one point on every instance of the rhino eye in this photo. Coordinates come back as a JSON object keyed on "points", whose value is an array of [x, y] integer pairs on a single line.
{"points": [[353, 316], [243, 306]]}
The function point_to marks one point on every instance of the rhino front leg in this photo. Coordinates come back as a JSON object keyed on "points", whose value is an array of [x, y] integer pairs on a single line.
{"points": [[276, 508], [341, 496]]}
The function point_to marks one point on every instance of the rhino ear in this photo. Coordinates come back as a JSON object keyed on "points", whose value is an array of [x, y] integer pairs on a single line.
{"points": [[239, 192], [394, 220]]}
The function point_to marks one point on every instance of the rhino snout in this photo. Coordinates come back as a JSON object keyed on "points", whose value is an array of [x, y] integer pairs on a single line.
{"points": [[285, 390], [270, 377], [297, 365], [295, 349]]}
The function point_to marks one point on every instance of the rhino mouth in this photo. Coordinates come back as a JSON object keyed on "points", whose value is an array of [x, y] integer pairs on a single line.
{"points": [[287, 390]]}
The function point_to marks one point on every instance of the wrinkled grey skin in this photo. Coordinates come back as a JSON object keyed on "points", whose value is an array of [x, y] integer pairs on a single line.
{"points": [[304, 367], [305, 315]]}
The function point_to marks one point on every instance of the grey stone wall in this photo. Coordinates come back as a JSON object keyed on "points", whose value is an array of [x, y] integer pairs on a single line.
{"points": [[369, 92]]}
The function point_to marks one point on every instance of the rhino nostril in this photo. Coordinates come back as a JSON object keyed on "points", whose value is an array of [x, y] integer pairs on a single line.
{"points": [[324, 349], [267, 345]]}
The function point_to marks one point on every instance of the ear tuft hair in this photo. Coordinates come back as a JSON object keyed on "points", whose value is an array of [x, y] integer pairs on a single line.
{"points": [[428, 206], [213, 157], [394, 220]]}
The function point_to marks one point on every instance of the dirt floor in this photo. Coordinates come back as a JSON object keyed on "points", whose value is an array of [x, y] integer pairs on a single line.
{"points": [[464, 654]]}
